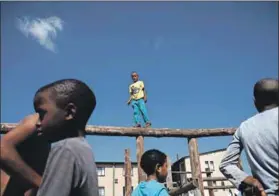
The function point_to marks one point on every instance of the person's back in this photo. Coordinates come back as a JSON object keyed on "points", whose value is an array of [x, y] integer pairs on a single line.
{"points": [[80, 163], [150, 188], [259, 137]]}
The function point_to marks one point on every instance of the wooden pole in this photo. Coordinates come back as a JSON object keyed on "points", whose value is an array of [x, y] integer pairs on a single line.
{"points": [[140, 149], [214, 178], [145, 132], [187, 187], [210, 183], [128, 178], [220, 187], [169, 177], [195, 163]]}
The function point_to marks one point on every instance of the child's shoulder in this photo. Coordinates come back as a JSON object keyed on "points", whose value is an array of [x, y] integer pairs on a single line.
{"points": [[155, 186], [73, 145]]}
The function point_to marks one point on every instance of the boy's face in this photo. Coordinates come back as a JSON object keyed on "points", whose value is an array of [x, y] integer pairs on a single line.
{"points": [[135, 77], [51, 118], [162, 172]]}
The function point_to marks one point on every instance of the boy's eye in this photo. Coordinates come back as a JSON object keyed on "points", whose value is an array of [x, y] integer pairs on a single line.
{"points": [[41, 114]]}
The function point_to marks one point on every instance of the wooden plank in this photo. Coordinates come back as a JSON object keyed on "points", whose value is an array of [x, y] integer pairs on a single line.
{"points": [[195, 163], [169, 177], [184, 189], [128, 178], [140, 149], [146, 132]]}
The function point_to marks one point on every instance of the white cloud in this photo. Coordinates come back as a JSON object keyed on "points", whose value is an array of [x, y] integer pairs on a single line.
{"points": [[44, 30]]}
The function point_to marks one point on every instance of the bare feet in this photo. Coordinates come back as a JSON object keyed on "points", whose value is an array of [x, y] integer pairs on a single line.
{"points": [[148, 125]]}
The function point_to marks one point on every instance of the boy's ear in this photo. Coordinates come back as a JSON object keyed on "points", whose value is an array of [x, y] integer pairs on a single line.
{"points": [[158, 168], [71, 111]]}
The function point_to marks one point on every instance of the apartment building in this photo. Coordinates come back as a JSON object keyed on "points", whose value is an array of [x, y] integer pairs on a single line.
{"points": [[111, 178], [209, 161]]}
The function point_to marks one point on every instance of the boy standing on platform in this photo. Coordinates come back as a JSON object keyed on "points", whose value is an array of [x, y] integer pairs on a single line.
{"points": [[138, 99]]}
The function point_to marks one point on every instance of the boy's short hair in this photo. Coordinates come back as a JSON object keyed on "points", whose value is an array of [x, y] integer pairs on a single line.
{"points": [[150, 159], [134, 72], [266, 91], [73, 91]]}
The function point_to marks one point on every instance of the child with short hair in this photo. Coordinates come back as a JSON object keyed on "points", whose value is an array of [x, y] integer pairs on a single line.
{"points": [[154, 164], [62, 111], [137, 99]]}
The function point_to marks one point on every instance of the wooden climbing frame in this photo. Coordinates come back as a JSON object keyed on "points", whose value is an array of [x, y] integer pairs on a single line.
{"points": [[139, 133]]}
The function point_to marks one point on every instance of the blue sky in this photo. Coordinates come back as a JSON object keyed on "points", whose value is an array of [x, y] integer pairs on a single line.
{"points": [[199, 62]]}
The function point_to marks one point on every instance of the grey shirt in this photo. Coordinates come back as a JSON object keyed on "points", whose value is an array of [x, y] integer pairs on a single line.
{"points": [[258, 136], [70, 170]]}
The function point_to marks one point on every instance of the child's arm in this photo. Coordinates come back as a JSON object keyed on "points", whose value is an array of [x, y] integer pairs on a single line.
{"points": [[10, 159], [130, 96], [144, 93], [129, 101]]}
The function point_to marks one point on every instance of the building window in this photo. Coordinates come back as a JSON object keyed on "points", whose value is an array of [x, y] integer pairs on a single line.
{"points": [[101, 191], [223, 184], [123, 172], [212, 166], [206, 166], [209, 167], [124, 190], [101, 171]]}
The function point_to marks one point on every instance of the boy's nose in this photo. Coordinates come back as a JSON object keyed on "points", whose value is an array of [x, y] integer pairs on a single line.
{"points": [[38, 124]]}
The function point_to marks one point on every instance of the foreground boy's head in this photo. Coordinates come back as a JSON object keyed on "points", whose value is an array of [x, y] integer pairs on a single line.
{"points": [[64, 108], [135, 76], [154, 163], [266, 94]]}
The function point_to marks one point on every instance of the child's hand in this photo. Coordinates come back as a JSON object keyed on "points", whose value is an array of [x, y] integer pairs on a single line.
{"points": [[129, 102], [145, 99], [30, 121]]}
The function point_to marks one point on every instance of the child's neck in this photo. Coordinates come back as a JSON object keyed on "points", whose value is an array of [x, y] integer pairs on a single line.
{"points": [[152, 177], [68, 134]]}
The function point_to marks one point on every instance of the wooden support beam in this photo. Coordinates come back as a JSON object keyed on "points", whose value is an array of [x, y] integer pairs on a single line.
{"points": [[145, 132], [184, 189], [169, 177], [140, 149], [188, 172], [209, 183], [214, 179], [220, 187], [128, 178], [195, 163]]}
